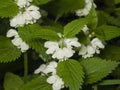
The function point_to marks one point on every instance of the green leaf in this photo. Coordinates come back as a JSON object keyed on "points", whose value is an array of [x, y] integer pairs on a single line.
{"points": [[111, 52], [93, 19], [38, 83], [36, 32], [28, 34], [74, 27], [110, 82], [12, 82], [72, 74], [60, 7], [40, 2], [96, 69], [8, 52], [117, 1], [8, 8], [107, 32]]}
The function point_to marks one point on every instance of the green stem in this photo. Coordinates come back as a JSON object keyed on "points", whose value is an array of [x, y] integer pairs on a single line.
{"points": [[25, 66]]}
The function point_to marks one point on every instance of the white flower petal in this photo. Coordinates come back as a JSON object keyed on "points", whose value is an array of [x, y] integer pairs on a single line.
{"points": [[83, 50], [90, 49], [17, 41], [35, 14], [24, 47], [12, 32], [40, 69]]}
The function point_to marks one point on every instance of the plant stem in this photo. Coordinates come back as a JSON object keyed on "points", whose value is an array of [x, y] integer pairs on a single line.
{"points": [[25, 67]]}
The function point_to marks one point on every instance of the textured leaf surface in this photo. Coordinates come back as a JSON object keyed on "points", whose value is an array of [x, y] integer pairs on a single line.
{"points": [[60, 7], [28, 34], [72, 74], [40, 2], [96, 69], [38, 83], [74, 27], [107, 32], [111, 52], [8, 52], [12, 82], [8, 8], [37, 32]]}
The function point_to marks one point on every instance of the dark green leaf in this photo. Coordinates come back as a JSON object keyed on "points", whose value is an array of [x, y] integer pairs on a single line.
{"points": [[74, 27], [40, 2], [60, 7], [38, 83], [111, 52], [72, 74], [12, 82], [8, 8], [96, 69], [107, 32], [8, 52]]}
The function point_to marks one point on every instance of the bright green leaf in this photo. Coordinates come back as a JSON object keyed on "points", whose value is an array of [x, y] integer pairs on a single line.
{"points": [[36, 32], [8, 52], [107, 32], [72, 74], [28, 34], [96, 69], [60, 7], [38, 83], [12, 82], [93, 19], [74, 27], [40, 2], [8, 8]]}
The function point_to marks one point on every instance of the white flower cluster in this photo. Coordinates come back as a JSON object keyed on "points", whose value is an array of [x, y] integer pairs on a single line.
{"points": [[62, 49], [28, 14], [17, 41], [85, 11], [54, 79], [93, 47]]}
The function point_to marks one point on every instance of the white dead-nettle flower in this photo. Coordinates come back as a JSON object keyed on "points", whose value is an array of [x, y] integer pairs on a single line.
{"points": [[92, 48], [85, 11], [23, 3], [17, 41], [54, 79], [62, 49], [85, 29], [29, 16]]}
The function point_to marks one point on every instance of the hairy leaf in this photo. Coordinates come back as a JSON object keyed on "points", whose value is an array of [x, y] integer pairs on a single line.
{"points": [[36, 32], [38, 83], [96, 69], [8, 8], [8, 52], [28, 34], [12, 82], [74, 27], [60, 7], [72, 74], [40, 2], [111, 52], [107, 32]]}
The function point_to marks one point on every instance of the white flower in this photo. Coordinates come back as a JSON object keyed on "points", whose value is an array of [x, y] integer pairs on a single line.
{"points": [[29, 16], [40, 69], [97, 43], [85, 29], [86, 9], [23, 3], [92, 48], [17, 41], [87, 51], [12, 33], [56, 81], [62, 49], [17, 20]]}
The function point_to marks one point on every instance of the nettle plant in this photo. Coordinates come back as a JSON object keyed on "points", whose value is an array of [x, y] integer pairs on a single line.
{"points": [[73, 38]]}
